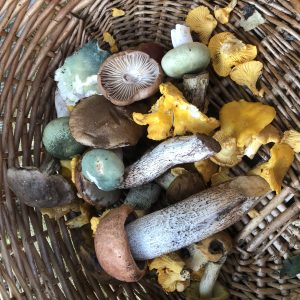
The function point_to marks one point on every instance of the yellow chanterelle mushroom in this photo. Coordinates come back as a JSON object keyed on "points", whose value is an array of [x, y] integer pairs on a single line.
{"points": [[228, 51], [247, 74], [274, 170], [200, 20], [172, 115], [171, 273], [292, 138], [241, 121]]}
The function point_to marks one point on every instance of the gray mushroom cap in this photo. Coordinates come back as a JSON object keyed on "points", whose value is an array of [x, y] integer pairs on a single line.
{"points": [[38, 189]]}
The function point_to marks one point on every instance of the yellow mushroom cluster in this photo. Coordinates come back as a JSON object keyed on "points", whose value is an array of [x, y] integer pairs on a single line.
{"points": [[170, 272], [173, 115], [230, 56]]}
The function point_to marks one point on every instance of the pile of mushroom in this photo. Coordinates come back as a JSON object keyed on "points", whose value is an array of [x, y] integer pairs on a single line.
{"points": [[150, 173]]}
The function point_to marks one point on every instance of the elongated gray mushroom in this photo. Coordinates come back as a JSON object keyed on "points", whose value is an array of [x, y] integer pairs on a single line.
{"points": [[174, 151], [176, 226], [195, 86], [142, 197], [195, 218], [38, 189]]}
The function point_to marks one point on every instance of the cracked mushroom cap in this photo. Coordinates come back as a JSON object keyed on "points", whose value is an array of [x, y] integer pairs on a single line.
{"points": [[200, 20], [247, 74], [129, 76], [112, 247], [228, 51]]}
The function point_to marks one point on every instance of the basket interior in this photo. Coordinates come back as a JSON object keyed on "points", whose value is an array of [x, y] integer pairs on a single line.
{"points": [[40, 258]]}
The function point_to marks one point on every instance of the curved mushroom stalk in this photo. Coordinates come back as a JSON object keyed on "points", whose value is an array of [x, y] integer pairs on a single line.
{"points": [[195, 218], [174, 151]]}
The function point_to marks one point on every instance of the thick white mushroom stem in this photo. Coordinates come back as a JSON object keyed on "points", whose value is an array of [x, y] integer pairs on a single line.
{"points": [[172, 152], [209, 278], [195, 218]]}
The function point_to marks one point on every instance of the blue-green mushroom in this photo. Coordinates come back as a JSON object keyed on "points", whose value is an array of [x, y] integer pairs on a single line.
{"points": [[58, 140], [104, 168]]}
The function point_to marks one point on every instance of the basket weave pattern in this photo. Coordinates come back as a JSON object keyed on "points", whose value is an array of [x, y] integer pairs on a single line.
{"points": [[39, 257]]}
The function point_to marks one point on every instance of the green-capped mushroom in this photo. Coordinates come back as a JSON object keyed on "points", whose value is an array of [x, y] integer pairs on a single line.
{"points": [[104, 168], [59, 141]]}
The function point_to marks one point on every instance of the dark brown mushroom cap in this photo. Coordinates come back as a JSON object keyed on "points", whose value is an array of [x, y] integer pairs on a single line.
{"points": [[112, 247], [37, 189], [154, 50], [91, 194], [129, 76], [96, 122], [183, 186]]}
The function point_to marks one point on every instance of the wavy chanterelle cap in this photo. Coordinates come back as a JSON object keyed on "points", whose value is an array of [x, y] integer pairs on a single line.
{"points": [[241, 121], [200, 20], [292, 138], [274, 170], [129, 76], [247, 74], [228, 51]]}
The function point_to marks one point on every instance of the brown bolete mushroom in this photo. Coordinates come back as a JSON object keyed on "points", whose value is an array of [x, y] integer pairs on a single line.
{"points": [[172, 228], [38, 189], [194, 218], [112, 248], [96, 122], [90, 192], [174, 151], [129, 76]]}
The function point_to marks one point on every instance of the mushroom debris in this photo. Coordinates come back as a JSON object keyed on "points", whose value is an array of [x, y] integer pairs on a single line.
{"points": [[108, 38], [129, 76], [171, 274], [201, 21], [172, 115], [228, 51], [241, 122], [77, 77], [222, 14]]}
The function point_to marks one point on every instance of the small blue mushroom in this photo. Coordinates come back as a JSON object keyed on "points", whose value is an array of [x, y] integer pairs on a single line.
{"points": [[104, 168]]}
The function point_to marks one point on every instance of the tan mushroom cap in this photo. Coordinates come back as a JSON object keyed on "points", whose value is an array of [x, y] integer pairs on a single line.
{"points": [[216, 246], [129, 76], [96, 122], [112, 247]]}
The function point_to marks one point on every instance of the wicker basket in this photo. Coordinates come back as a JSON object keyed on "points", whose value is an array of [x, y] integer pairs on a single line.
{"points": [[40, 258]]}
